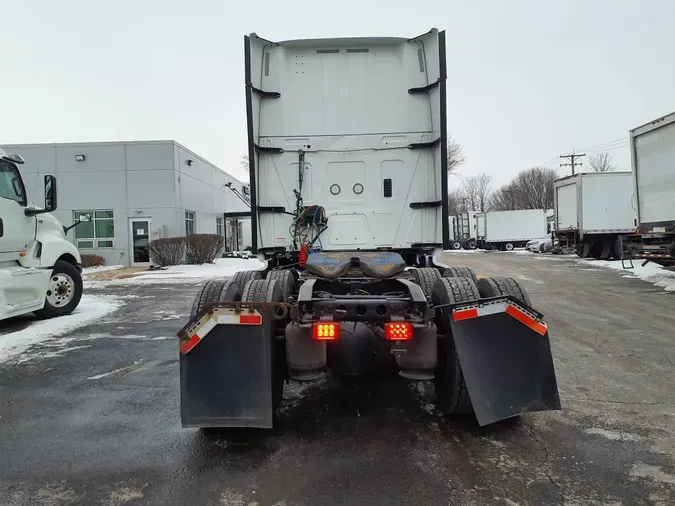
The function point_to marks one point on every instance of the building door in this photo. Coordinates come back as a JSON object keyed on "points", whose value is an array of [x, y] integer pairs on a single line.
{"points": [[139, 231]]}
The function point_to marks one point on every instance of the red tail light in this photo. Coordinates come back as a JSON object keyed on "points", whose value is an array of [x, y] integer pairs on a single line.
{"points": [[400, 331], [326, 331]]}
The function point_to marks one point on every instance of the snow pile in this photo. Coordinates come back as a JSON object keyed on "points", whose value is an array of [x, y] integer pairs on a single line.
{"points": [[222, 268], [90, 270], [462, 251], [90, 309], [652, 273]]}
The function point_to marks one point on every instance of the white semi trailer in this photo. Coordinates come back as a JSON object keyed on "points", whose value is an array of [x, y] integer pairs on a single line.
{"points": [[653, 161], [506, 230], [592, 210], [39, 268]]}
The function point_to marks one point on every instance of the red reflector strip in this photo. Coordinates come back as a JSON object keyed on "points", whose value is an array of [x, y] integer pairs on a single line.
{"points": [[250, 319], [539, 328], [188, 345], [465, 314], [398, 331]]}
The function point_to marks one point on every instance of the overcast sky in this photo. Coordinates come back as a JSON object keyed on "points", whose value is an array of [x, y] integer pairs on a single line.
{"points": [[528, 79]]}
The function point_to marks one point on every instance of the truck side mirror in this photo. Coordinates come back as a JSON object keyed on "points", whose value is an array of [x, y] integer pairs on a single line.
{"points": [[50, 193]]}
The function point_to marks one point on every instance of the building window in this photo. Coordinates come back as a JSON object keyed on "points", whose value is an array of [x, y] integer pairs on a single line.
{"points": [[97, 233], [189, 222], [219, 226]]}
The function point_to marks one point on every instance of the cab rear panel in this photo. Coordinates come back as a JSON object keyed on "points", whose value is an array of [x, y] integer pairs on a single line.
{"points": [[356, 126]]}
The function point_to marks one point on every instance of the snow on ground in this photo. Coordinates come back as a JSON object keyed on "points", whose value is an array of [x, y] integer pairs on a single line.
{"points": [[103, 268], [462, 251], [652, 273], [222, 268], [91, 308]]}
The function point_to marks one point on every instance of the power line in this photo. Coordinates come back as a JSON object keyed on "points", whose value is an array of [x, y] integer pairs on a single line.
{"points": [[598, 146], [572, 156]]}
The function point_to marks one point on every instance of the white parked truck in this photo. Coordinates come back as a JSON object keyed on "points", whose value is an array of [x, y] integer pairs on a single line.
{"points": [[39, 268], [592, 210], [347, 157], [653, 169], [506, 230]]}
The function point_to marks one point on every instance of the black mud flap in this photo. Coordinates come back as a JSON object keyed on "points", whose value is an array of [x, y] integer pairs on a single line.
{"points": [[505, 355], [226, 376]]}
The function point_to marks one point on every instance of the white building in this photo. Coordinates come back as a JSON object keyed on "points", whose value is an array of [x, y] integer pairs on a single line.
{"points": [[135, 192]]}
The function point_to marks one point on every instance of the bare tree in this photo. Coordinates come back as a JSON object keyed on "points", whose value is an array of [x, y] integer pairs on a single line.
{"points": [[476, 191], [244, 162], [505, 198], [601, 162], [456, 202], [456, 157]]}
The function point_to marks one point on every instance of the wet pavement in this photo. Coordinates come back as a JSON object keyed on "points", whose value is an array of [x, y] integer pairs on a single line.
{"points": [[93, 417]]}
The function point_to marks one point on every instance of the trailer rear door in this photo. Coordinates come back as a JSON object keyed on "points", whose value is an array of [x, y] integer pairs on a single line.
{"points": [[356, 126], [566, 206], [654, 171]]}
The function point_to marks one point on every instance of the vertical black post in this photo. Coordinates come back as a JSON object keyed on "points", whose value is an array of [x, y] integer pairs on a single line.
{"points": [[251, 145], [444, 139]]}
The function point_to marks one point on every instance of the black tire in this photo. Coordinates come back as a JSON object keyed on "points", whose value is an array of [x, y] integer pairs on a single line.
{"points": [[61, 272], [509, 246], [470, 244], [243, 277], [542, 248], [460, 272], [596, 251], [426, 278], [455, 245], [286, 281], [494, 287], [215, 290], [452, 396], [268, 290]]}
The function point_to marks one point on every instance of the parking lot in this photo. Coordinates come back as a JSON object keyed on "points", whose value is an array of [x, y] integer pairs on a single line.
{"points": [[92, 417]]}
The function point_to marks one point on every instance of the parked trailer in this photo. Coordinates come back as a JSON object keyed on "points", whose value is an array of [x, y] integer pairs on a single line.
{"points": [[592, 211], [653, 162], [348, 220], [506, 230], [464, 232]]}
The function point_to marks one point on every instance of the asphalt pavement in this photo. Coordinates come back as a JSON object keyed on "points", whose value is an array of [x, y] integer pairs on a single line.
{"points": [[93, 417]]}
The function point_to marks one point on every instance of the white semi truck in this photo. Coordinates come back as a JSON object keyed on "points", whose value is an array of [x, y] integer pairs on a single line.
{"points": [[652, 148], [592, 210], [39, 268], [347, 152], [506, 230]]}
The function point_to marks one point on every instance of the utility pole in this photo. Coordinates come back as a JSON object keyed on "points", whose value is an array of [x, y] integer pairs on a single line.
{"points": [[573, 156]]}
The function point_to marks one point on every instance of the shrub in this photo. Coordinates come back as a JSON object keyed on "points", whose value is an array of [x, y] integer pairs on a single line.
{"points": [[168, 251], [92, 261], [203, 248]]}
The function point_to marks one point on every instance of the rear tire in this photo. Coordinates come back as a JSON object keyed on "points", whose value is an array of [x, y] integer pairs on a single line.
{"points": [[268, 290], [452, 396], [243, 277], [213, 291], [426, 278], [460, 272], [494, 287], [456, 245], [64, 291], [470, 244], [509, 246], [596, 251], [286, 281]]}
